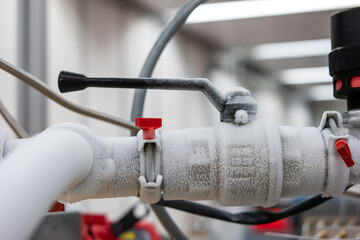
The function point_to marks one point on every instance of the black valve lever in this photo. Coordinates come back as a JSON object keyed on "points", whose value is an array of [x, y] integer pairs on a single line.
{"points": [[69, 82], [227, 106]]}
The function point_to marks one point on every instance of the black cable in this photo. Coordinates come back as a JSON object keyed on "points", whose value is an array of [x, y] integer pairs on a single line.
{"points": [[260, 216], [167, 33], [128, 220], [168, 223], [139, 98]]}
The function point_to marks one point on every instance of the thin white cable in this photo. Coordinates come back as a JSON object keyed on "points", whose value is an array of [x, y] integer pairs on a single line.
{"points": [[47, 91], [14, 125]]}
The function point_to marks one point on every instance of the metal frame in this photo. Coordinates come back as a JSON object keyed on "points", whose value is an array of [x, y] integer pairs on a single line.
{"points": [[32, 58]]}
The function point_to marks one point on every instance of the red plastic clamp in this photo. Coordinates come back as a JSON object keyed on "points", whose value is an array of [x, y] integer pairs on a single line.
{"points": [[343, 149], [148, 125], [57, 207]]}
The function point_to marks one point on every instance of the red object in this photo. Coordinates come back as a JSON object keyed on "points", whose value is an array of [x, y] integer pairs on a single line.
{"points": [[343, 149], [355, 82], [283, 226], [338, 84], [149, 228], [96, 227], [57, 207], [148, 125]]}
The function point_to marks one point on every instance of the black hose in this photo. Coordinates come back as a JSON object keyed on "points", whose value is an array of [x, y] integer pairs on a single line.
{"points": [[139, 98], [170, 226], [167, 33], [260, 216]]}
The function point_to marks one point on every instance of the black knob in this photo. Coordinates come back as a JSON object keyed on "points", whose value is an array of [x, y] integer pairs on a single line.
{"points": [[344, 59], [69, 82]]}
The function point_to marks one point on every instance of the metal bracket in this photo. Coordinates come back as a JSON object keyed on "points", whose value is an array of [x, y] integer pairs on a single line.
{"points": [[150, 165]]}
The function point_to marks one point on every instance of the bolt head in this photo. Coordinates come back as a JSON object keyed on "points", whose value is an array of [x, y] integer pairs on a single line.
{"points": [[241, 117]]}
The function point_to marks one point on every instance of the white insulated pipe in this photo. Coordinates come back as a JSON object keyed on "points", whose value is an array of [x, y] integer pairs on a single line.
{"points": [[34, 174], [253, 165]]}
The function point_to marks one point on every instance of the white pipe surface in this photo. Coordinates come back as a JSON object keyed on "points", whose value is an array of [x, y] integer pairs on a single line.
{"points": [[35, 174]]}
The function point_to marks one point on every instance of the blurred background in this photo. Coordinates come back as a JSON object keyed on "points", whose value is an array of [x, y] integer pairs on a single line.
{"points": [[277, 51]]}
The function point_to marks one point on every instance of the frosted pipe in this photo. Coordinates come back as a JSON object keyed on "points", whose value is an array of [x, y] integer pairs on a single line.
{"points": [[252, 165], [35, 174]]}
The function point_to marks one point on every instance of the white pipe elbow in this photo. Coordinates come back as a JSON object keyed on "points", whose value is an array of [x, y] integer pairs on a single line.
{"points": [[34, 174]]}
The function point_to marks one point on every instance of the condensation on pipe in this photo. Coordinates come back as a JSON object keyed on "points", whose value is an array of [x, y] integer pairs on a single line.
{"points": [[35, 174]]}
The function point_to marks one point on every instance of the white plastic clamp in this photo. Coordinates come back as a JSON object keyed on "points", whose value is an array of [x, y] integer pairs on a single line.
{"points": [[150, 165], [337, 173]]}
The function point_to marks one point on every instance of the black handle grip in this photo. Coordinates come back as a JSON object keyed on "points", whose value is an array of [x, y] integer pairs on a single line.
{"points": [[69, 82]]}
